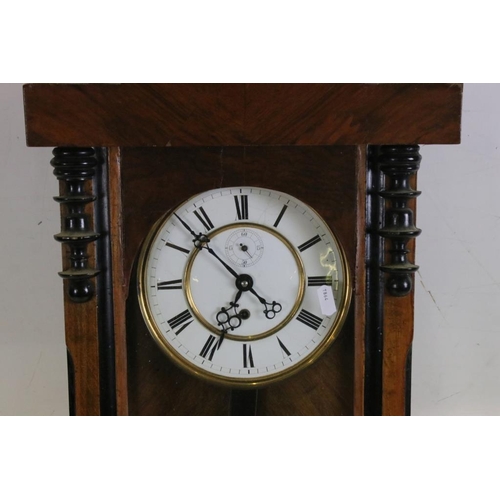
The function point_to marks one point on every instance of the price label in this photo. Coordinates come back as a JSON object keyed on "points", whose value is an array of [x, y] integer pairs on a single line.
{"points": [[326, 301]]}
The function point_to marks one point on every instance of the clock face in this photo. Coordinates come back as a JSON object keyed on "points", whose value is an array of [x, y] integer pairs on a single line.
{"points": [[243, 285]]}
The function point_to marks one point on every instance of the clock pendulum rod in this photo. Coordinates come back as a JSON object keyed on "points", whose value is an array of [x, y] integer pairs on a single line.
{"points": [[243, 402]]}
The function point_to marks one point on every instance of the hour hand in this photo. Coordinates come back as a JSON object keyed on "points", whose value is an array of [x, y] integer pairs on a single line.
{"points": [[271, 308], [228, 318]]}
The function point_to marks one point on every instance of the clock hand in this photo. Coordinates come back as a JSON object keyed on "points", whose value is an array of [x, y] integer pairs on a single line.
{"points": [[244, 248], [210, 251], [275, 306], [199, 238], [245, 283], [227, 322]]}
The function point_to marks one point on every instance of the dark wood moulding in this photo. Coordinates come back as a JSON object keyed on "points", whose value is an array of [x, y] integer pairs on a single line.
{"points": [[241, 114]]}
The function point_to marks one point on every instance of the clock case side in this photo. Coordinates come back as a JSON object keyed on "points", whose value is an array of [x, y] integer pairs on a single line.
{"points": [[88, 292]]}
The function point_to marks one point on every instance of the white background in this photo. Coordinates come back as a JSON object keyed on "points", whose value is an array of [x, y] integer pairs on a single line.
{"points": [[456, 360], [456, 366], [456, 369]]}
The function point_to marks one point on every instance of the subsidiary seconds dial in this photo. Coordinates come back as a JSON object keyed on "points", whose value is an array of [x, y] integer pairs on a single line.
{"points": [[243, 286], [244, 247]]}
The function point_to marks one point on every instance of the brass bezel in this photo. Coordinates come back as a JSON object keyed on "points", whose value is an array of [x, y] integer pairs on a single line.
{"points": [[243, 338], [234, 382]]}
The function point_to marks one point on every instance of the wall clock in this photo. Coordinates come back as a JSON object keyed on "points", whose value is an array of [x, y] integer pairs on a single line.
{"points": [[239, 249], [243, 285]]}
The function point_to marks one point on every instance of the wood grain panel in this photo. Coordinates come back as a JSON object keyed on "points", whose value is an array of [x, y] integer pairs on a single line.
{"points": [[120, 288], [81, 330], [156, 180], [398, 326], [398, 336], [398, 329], [325, 388], [241, 114], [360, 290], [81, 322]]}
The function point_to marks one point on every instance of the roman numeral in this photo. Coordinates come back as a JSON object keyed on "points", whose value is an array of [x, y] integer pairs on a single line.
{"points": [[169, 285], [283, 347], [209, 348], [319, 280], [204, 219], [309, 319], [247, 356], [283, 210], [241, 206], [171, 245], [309, 243], [178, 320]]}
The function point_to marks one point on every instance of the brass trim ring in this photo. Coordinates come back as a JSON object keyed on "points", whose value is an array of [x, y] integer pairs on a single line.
{"points": [[267, 333]]}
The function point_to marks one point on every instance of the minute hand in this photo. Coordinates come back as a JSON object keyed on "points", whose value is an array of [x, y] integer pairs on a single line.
{"points": [[186, 226], [275, 307], [234, 273], [199, 238]]}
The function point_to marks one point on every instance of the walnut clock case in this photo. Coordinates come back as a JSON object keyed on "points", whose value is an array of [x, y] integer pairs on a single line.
{"points": [[239, 249]]}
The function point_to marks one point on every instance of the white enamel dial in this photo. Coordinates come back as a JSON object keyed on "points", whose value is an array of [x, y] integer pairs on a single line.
{"points": [[243, 285]]}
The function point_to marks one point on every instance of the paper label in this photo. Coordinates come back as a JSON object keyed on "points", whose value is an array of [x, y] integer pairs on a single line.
{"points": [[326, 300]]}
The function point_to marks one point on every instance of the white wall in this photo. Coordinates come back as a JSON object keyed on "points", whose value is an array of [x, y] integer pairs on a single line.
{"points": [[32, 347], [456, 369], [456, 365]]}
